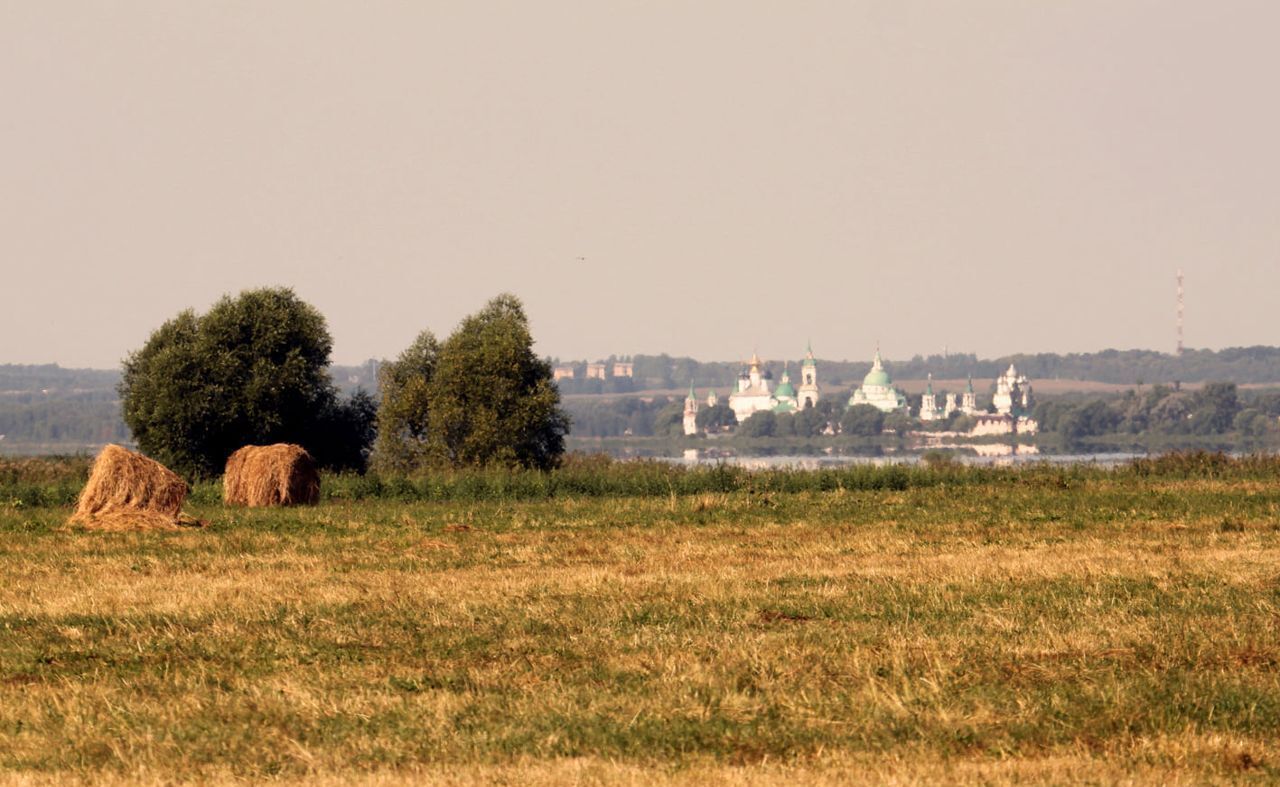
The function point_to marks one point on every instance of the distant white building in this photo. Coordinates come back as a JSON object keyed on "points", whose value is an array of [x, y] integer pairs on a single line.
{"points": [[1013, 393], [564, 372], [595, 371], [969, 400], [784, 396], [992, 424], [1001, 424], [754, 391], [809, 392], [623, 369], [929, 404], [877, 390], [950, 406], [691, 412]]}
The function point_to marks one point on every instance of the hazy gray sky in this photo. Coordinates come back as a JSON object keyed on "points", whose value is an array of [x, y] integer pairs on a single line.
{"points": [[990, 176]]}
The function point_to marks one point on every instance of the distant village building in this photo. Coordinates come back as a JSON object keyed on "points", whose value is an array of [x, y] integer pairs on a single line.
{"points": [[712, 399], [691, 413], [877, 390], [595, 371]]}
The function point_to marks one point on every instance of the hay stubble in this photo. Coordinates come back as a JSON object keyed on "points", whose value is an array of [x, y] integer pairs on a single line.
{"points": [[915, 635]]}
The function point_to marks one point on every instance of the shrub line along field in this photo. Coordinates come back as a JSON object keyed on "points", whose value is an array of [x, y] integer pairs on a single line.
{"points": [[626, 623]]}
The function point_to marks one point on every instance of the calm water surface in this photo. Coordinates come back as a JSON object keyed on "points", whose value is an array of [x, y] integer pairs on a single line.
{"points": [[994, 454]]}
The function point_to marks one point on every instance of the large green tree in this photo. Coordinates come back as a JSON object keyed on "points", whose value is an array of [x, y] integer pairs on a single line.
{"points": [[761, 423], [862, 420], [403, 424], [716, 418], [810, 422], [669, 421], [252, 370], [491, 400]]}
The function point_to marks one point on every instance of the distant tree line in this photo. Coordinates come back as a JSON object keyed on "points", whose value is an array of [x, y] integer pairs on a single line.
{"points": [[1259, 364], [1241, 365], [621, 417], [580, 384], [73, 418], [1216, 408], [52, 378]]}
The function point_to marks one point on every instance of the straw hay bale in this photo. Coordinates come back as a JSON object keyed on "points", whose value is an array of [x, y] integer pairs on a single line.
{"points": [[271, 475], [128, 491]]}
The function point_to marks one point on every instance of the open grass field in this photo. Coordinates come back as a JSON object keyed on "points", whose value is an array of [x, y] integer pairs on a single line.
{"points": [[1010, 626]]}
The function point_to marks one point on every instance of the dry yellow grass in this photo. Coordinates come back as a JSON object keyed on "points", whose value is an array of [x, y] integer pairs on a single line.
{"points": [[981, 636]]}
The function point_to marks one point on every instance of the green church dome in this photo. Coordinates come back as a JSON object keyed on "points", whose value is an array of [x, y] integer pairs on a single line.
{"points": [[877, 377], [784, 389]]}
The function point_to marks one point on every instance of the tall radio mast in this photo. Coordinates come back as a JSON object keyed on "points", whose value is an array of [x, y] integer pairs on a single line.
{"points": [[1179, 311]]}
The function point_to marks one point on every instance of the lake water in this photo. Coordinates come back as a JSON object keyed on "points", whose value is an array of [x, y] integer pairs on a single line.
{"points": [[988, 454]]}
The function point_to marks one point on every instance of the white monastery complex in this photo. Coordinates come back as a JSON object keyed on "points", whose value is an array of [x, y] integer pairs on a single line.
{"points": [[755, 392]]}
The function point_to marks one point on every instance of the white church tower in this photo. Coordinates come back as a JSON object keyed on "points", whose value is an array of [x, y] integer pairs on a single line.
{"points": [[929, 403], [808, 393], [969, 401], [691, 412]]}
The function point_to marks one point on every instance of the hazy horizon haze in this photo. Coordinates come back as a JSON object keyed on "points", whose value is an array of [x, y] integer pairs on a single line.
{"points": [[990, 177]]}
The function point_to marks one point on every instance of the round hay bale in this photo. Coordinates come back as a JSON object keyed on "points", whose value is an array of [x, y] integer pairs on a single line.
{"points": [[128, 491], [271, 475]]}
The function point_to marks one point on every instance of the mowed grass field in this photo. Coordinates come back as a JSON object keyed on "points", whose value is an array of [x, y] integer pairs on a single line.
{"points": [[1031, 626]]}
